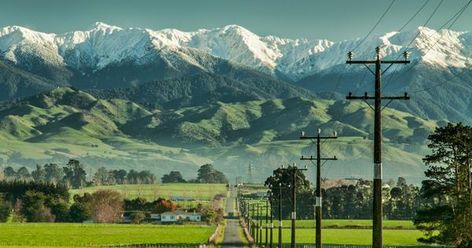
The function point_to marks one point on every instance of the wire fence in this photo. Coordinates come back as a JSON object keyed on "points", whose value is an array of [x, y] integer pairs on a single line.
{"points": [[287, 245], [156, 245]]}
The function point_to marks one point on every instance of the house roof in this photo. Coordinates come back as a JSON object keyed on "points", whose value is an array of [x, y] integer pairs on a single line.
{"points": [[179, 212]]}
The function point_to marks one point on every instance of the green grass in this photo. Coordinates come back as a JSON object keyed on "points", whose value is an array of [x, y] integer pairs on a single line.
{"points": [[339, 223], [92, 235], [199, 192], [353, 236]]}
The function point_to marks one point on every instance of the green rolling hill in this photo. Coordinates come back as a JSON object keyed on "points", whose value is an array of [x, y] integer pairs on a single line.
{"points": [[68, 123]]}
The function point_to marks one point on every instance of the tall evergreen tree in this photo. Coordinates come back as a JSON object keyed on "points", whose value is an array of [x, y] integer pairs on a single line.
{"points": [[54, 173], [446, 216], [74, 174], [23, 174], [39, 174], [101, 176]]}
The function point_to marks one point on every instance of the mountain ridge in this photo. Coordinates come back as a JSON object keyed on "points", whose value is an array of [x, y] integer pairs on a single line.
{"points": [[70, 123], [295, 58]]}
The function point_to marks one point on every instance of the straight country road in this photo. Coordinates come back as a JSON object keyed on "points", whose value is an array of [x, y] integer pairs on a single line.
{"points": [[232, 237]]}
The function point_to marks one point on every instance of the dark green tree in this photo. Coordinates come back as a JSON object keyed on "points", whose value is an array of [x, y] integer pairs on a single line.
{"points": [[23, 174], [53, 173], [146, 177], [9, 173], [101, 176], [5, 209], [208, 174], [39, 174], [74, 174], [79, 212], [283, 177], [446, 213], [119, 176], [34, 207], [59, 208], [173, 177], [133, 177]]}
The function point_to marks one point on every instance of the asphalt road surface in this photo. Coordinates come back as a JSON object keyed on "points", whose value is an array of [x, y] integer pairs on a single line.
{"points": [[232, 238]]}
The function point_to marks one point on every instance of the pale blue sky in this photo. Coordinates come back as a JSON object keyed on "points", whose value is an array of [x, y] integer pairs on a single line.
{"points": [[332, 19]]}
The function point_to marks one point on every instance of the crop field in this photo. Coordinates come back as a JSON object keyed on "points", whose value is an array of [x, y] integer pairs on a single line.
{"points": [[197, 192], [93, 235]]}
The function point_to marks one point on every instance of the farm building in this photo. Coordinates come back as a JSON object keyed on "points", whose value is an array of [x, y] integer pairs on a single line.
{"points": [[155, 217], [179, 215]]}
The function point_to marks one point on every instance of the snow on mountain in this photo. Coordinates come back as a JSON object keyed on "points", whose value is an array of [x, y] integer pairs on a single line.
{"points": [[295, 58]]}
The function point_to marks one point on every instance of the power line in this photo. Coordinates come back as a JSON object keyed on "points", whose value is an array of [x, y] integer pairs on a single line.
{"points": [[451, 23], [342, 75], [416, 14], [390, 77], [376, 24]]}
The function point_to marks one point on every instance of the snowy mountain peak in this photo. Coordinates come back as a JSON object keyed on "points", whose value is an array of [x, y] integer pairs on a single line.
{"points": [[105, 44], [101, 26]]}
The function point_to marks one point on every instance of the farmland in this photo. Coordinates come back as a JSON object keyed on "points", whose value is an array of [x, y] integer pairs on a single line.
{"points": [[350, 224], [198, 192], [353, 236], [89, 235]]}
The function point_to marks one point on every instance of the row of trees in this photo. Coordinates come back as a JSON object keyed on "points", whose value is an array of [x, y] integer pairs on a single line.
{"points": [[39, 202], [73, 175], [111, 177], [206, 174], [345, 201], [36, 202]]}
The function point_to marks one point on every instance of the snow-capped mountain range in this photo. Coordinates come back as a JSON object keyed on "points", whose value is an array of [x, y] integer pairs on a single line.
{"points": [[105, 45]]}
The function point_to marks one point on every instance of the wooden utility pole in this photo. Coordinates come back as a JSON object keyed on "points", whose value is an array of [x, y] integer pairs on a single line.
{"points": [[318, 197], [271, 242], [293, 170], [254, 223], [260, 224], [266, 223], [377, 239], [280, 217]]}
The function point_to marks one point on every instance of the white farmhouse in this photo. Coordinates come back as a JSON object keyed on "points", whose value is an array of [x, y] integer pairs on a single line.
{"points": [[179, 215]]}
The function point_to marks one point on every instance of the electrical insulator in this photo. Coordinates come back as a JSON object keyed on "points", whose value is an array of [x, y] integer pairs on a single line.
{"points": [[405, 55], [349, 56]]}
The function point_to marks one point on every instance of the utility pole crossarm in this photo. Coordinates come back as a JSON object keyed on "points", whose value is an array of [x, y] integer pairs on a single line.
{"points": [[360, 62], [364, 62], [312, 158], [394, 61], [366, 97], [316, 137]]}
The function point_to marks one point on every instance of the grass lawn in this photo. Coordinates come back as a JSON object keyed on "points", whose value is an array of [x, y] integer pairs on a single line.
{"points": [[201, 192], [353, 236], [89, 235]]}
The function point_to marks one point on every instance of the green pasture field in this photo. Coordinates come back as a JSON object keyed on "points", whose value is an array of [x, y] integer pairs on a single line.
{"points": [[353, 236], [349, 224], [93, 235], [199, 192]]}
